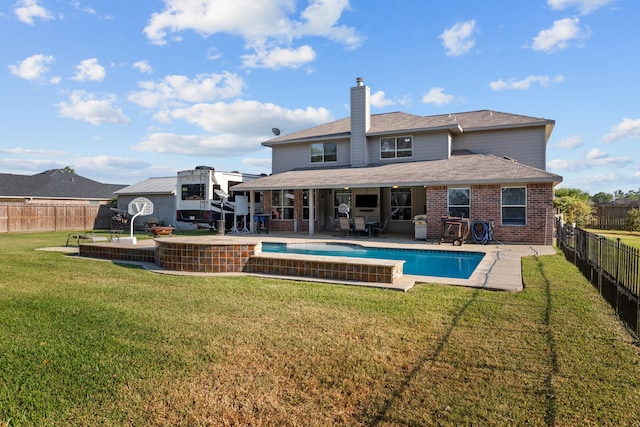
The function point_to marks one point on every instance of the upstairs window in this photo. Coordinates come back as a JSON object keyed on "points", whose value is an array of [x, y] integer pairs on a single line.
{"points": [[459, 202], [396, 147], [514, 206], [324, 152]]}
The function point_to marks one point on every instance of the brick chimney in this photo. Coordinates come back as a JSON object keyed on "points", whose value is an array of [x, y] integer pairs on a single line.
{"points": [[360, 123]]}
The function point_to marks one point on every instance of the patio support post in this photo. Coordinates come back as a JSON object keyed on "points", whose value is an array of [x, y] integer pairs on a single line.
{"points": [[252, 211], [312, 210]]}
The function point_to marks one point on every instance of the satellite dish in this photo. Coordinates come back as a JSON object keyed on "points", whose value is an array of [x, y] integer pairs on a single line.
{"points": [[275, 131]]}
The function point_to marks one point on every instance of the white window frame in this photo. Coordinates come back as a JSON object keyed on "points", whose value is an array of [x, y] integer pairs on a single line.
{"points": [[282, 204], [324, 152], [503, 205], [396, 151], [401, 212], [449, 205]]}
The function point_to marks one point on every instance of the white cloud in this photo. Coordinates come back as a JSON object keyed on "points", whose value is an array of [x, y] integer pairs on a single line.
{"points": [[174, 90], [89, 69], [84, 106], [458, 39], [232, 128], [30, 151], [27, 10], [570, 142], [279, 57], [248, 118], [525, 84], [27, 165], [267, 26], [320, 18], [219, 145], [378, 100], [437, 96], [106, 163], [627, 128], [33, 67], [260, 163], [595, 158], [596, 154], [585, 6], [143, 67], [76, 4], [559, 35]]}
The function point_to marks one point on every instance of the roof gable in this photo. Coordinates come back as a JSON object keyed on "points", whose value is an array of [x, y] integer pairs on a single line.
{"points": [[55, 183], [387, 123]]}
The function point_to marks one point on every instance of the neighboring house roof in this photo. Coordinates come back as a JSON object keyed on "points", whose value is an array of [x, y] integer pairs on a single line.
{"points": [[460, 169], [402, 122], [55, 184], [624, 201], [159, 185]]}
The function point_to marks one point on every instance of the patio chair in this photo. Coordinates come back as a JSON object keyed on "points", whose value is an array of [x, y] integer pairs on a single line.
{"points": [[333, 223], [345, 227], [360, 226]]}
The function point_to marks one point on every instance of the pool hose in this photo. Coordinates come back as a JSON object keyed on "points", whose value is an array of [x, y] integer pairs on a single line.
{"points": [[480, 232]]}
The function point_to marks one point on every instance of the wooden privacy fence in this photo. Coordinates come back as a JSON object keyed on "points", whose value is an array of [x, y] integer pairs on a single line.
{"points": [[18, 217], [611, 266], [610, 217]]}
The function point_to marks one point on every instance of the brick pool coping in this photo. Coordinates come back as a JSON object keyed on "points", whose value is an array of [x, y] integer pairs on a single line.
{"points": [[229, 255], [500, 269]]}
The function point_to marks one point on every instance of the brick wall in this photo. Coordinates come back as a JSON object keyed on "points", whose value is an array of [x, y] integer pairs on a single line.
{"points": [[486, 202]]}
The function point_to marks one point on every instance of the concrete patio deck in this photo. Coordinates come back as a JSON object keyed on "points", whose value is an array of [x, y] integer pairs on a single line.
{"points": [[500, 269]]}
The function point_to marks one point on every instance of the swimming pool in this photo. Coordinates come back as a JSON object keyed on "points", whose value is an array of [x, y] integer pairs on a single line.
{"points": [[458, 265]]}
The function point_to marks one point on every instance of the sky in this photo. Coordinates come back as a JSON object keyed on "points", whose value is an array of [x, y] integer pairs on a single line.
{"points": [[123, 90]]}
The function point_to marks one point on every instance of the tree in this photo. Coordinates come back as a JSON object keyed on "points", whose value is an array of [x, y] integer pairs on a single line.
{"points": [[632, 195], [632, 222], [602, 197], [574, 210], [573, 192], [68, 169]]}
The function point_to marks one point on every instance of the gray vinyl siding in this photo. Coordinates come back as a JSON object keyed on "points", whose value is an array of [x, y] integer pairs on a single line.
{"points": [[526, 145], [296, 156], [360, 123], [425, 147], [164, 208], [431, 146]]}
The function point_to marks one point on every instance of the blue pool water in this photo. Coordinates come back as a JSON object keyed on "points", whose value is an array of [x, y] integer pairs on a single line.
{"points": [[459, 265]]}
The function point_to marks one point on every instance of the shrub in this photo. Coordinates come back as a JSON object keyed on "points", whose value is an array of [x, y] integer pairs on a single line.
{"points": [[632, 223]]}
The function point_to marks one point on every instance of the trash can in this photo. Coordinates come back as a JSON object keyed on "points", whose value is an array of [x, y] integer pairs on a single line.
{"points": [[221, 226], [420, 227]]}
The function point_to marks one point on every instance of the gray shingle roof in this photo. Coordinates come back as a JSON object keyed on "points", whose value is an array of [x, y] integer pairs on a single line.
{"points": [[55, 184], [160, 185], [399, 122], [458, 170]]}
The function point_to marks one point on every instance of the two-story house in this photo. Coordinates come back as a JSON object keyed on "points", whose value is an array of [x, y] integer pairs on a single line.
{"points": [[390, 167]]}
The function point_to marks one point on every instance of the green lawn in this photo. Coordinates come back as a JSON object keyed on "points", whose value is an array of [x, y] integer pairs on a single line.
{"points": [[85, 342], [630, 238]]}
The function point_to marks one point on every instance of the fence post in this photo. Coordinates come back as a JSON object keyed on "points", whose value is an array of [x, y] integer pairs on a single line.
{"points": [[618, 274], [600, 268]]}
